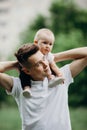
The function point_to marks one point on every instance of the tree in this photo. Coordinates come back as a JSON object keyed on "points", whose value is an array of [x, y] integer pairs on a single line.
{"points": [[69, 25]]}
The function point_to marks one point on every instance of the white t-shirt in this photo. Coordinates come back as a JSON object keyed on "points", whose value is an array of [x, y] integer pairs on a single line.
{"points": [[47, 109]]}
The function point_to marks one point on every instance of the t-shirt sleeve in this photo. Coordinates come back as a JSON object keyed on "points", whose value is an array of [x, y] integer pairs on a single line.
{"points": [[16, 90], [67, 75]]}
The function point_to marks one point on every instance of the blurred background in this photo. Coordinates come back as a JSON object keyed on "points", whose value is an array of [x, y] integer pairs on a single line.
{"points": [[19, 21]]}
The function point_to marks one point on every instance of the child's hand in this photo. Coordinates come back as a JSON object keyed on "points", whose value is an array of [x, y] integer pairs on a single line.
{"points": [[51, 76]]}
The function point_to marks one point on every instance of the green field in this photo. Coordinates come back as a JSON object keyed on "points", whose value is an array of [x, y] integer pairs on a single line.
{"points": [[10, 119], [79, 118]]}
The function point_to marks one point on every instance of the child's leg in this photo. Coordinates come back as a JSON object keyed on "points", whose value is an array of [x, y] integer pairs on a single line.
{"points": [[26, 84], [25, 79], [56, 81], [27, 92]]}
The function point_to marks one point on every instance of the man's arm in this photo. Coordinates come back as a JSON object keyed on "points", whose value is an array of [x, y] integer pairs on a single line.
{"points": [[6, 80], [77, 66], [76, 53], [8, 65]]}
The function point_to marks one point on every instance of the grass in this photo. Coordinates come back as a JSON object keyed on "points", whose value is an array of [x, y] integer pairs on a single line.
{"points": [[10, 119], [79, 118]]}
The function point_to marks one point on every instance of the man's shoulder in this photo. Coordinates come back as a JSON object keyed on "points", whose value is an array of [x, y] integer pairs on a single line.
{"points": [[65, 67], [67, 73], [16, 81], [16, 89], [15, 78], [66, 70]]}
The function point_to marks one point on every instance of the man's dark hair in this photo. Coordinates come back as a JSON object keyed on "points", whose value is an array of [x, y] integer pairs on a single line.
{"points": [[22, 55], [24, 52]]}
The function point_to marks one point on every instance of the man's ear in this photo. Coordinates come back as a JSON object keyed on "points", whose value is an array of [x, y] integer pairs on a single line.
{"points": [[35, 42], [26, 70]]}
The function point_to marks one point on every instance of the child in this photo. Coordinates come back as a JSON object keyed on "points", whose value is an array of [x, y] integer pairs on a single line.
{"points": [[44, 38]]}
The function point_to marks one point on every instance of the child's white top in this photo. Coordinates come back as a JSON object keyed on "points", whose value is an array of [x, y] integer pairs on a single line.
{"points": [[49, 57]]}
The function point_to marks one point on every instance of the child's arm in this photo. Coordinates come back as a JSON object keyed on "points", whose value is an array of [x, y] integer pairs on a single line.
{"points": [[76, 53], [8, 65], [55, 69]]}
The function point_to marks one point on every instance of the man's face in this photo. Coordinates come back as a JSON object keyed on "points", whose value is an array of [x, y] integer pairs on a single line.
{"points": [[39, 66]]}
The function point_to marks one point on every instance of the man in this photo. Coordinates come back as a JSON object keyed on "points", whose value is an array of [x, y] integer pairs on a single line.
{"points": [[47, 109]]}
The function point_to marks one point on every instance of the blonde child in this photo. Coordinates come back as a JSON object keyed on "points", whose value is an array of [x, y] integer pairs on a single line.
{"points": [[44, 38]]}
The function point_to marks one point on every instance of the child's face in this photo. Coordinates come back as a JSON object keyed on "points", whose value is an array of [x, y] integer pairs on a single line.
{"points": [[46, 44]]}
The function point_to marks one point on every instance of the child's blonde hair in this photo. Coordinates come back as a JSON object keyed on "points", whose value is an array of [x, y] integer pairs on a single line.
{"points": [[41, 32]]}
